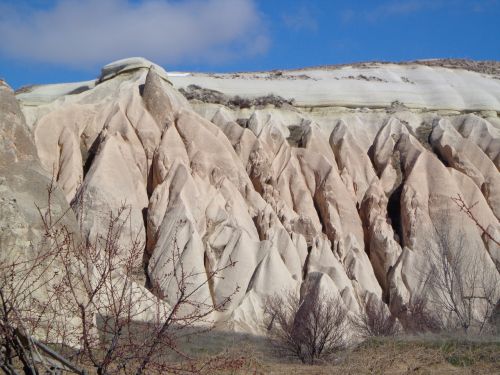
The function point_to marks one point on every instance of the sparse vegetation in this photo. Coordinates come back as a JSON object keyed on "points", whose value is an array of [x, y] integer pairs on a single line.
{"points": [[462, 292], [195, 92], [310, 329], [422, 354], [362, 77], [397, 106], [81, 295], [484, 67], [407, 80], [375, 321], [416, 318]]}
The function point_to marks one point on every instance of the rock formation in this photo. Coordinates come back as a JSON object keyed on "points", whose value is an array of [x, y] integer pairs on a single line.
{"points": [[344, 188]]}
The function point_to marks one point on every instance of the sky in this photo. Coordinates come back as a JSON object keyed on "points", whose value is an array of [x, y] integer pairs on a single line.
{"points": [[50, 41]]}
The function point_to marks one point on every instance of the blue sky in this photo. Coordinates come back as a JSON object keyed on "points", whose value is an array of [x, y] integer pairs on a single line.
{"points": [[45, 41]]}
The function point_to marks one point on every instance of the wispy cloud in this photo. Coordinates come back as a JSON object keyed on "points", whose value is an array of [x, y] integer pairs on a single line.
{"points": [[394, 9], [82, 33], [484, 5], [300, 19]]}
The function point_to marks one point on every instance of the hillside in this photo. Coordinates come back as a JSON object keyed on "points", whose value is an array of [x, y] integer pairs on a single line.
{"points": [[337, 179]]}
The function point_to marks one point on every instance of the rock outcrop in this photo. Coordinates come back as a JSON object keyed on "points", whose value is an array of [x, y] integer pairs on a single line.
{"points": [[351, 199], [24, 183], [35, 196]]}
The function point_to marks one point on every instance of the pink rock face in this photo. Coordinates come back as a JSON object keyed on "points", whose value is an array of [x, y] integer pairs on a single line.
{"points": [[346, 201]]}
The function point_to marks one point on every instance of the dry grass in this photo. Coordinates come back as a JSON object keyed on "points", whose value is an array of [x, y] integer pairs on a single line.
{"points": [[429, 354], [423, 356], [410, 355]]}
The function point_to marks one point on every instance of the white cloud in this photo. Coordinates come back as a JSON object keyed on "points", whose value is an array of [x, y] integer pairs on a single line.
{"points": [[83, 33], [402, 8], [484, 6], [395, 8], [300, 19]]}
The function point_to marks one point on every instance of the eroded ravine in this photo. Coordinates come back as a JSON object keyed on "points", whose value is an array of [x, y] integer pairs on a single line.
{"points": [[350, 194]]}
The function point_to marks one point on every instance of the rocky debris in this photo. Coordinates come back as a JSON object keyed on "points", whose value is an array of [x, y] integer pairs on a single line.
{"points": [[338, 199]]}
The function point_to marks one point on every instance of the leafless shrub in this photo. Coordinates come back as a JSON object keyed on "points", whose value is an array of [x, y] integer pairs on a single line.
{"points": [[375, 321], [417, 318], [17, 300], [463, 293], [465, 208], [310, 330], [90, 303], [25, 304]]}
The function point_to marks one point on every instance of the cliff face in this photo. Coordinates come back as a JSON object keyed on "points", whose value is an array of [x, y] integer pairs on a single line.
{"points": [[343, 177]]}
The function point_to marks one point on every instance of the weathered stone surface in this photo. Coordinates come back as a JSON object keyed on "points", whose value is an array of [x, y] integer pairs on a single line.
{"points": [[129, 65], [23, 181], [344, 200], [24, 198]]}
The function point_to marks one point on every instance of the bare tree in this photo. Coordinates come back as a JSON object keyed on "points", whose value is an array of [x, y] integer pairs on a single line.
{"points": [[26, 306], [91, 303], [462, 291], [280, 313], [465, 208], [375, 320], [308, 329], [416, 317], [21, 280]]}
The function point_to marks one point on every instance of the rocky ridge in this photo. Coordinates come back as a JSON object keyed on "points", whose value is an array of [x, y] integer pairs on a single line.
{"points": [[345, 188]]}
